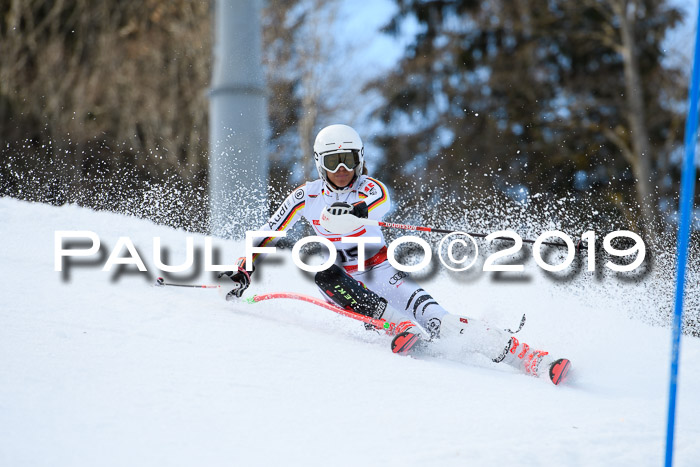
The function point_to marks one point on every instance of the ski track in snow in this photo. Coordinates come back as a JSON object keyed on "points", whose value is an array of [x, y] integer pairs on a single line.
{"points": [[113, 372]]}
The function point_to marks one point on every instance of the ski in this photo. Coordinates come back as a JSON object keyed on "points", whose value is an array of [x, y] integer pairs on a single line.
{"points": [[559, 370], [379, 324], [405, 343]]}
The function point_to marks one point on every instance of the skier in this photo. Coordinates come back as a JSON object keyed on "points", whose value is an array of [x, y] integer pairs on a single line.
{"points": [[335, 205]]}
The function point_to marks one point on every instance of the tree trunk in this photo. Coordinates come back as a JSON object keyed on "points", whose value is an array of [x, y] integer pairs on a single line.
{"points": [[309, 109]]}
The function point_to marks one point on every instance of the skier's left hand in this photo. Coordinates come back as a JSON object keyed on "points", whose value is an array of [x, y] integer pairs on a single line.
{"points": [[240, 278], [341, 218]]}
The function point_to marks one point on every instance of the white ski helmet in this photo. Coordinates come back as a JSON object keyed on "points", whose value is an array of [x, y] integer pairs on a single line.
{"points": [[343, 141]]}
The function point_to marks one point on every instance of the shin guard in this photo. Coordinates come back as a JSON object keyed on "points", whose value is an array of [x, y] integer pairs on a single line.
{"points": [[346, 292]]}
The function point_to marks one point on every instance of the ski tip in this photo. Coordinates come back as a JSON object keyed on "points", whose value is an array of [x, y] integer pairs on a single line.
{"points": [[559, 370], [403, 342]]}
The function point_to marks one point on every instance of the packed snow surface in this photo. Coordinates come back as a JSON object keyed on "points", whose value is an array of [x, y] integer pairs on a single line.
{"points": [[102, 368]]}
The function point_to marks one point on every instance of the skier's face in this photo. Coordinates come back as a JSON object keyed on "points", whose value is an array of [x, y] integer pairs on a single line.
{"points": [[341, 178]]}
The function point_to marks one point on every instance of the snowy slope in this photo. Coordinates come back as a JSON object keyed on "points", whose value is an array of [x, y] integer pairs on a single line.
{"points": [[99, 370]]}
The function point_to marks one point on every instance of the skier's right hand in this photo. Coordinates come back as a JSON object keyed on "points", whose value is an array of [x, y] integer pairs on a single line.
{"points": [[240, 278], [340, 218]]}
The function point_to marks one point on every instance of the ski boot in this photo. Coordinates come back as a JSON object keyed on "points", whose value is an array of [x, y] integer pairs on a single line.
{"points": [[534, 362], [473, 335]]}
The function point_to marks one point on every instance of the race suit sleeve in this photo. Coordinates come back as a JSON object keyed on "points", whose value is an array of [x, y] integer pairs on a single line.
{"points": [[375, 195], [284, 218]]}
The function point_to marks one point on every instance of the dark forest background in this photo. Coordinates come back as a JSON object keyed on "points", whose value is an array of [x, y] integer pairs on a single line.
{"points": [[514, 102]]}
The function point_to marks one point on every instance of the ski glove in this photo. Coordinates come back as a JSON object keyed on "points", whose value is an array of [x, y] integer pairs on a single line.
{"points": [[342, 218], [240, 278]]}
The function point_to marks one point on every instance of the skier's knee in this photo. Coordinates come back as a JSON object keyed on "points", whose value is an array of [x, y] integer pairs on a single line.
{"points": [[328, 275]]}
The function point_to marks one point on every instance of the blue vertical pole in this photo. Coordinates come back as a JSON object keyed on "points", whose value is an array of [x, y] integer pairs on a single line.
{"points": [[685, 208]]}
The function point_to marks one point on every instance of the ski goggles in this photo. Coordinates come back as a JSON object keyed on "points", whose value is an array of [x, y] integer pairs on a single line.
{"points": [[332, 162]]}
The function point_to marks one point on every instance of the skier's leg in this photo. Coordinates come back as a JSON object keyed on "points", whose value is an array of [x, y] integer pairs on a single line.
{"points": [[347, 292], [501, 346], [471, 335], [474, 335], [404, 295]]}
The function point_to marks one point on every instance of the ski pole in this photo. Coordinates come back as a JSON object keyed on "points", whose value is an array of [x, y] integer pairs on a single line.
{"points": [[160, 282], [377, 323], [393, 225], [386, 326]]}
